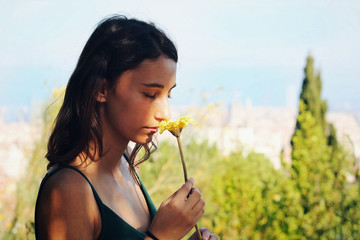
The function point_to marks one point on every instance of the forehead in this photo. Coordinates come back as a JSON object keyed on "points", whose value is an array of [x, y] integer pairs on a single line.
{"points": [[161, 67], [161, 70]]}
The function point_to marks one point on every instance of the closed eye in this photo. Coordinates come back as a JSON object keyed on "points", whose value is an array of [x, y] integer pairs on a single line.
{"points": [[156, 85], [152, 96]]}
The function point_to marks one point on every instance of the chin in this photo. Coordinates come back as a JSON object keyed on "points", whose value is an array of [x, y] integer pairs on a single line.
{"points": [[143, 140]]}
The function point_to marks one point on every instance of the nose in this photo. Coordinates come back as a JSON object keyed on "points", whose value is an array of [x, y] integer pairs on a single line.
{"points": [[163, 110]]}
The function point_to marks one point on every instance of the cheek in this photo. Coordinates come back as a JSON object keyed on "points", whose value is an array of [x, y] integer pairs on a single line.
{"points": [[130, 114], [115, 111], [139, 112]]}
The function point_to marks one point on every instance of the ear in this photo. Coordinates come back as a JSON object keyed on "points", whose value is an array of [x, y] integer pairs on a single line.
{"points": [[101, 96]]}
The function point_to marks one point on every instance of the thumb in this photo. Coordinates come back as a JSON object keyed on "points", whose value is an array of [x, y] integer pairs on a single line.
{"points": [[166, 201], [183, 190]]}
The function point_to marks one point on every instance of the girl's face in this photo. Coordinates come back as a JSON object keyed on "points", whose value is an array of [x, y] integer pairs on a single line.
{"points": [[139, 101]]}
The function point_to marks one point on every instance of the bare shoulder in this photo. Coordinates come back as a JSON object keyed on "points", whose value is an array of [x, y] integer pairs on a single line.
{"points": [[66, 184], [67, 207]]}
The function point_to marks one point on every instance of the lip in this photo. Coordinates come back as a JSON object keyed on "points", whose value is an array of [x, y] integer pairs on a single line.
{"points": [[152, 129]]}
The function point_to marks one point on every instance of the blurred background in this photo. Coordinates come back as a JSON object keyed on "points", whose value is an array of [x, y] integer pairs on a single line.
{"points": [[268, 166]]}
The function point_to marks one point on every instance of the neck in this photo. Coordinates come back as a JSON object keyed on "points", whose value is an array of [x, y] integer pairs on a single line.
{"points": [[114, 147], [107, 163], [111, 156]]}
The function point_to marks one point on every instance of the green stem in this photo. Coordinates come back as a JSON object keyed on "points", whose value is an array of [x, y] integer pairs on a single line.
{"points": [[186, 178], [198, 232], [182, 158]]}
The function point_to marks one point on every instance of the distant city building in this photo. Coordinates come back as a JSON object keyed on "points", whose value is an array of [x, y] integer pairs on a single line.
{"points": [[264, 130], [235, 127]]}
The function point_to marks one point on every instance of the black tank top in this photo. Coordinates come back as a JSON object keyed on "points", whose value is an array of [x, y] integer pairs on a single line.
{"points": [[112, 225]]}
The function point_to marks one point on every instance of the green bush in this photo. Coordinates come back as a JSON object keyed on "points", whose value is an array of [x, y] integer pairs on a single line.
{"points": [[22, 225], [246, 198]]}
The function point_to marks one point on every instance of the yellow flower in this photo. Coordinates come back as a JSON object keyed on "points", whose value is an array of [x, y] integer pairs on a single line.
{"points": [[175, 127]]}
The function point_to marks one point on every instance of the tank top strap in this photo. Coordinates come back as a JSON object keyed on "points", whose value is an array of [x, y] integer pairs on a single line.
{"points": [[112, 226], [52, 172], [149, 202]]}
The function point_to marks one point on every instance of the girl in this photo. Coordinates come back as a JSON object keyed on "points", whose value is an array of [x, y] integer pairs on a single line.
{"points": [[117, 93]]}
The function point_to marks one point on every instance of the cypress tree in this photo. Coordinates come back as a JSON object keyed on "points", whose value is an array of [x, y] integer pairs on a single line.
{"points": [[311, 94], [319, 168]]}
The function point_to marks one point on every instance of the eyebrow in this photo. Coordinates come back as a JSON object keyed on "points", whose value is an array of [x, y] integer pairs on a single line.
{"points": [[156, 85]]}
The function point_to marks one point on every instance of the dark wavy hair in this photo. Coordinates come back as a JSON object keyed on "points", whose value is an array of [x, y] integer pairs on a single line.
{"points": [[118, 44]]}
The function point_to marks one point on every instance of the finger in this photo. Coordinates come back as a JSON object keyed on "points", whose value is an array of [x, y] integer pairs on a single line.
{"points": [[198, 215], [213, 237], [193, 198], [199, 205], [166, 201], [185, 189], [205, 233]]}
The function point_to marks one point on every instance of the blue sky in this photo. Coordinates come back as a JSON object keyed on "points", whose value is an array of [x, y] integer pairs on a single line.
{"points": [[229, 50]]}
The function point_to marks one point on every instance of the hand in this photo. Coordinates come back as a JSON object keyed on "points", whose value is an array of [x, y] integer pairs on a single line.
{"points": [[179, 213], [206, 235]]}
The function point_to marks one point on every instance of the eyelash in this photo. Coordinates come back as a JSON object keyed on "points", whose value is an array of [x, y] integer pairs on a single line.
{"points": [[153, 96], [150, 96]]}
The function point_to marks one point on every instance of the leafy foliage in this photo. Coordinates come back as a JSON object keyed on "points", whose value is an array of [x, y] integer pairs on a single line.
{"points": [[316, 197], [311, 93], [22, 226], [320, 169], [246, 198]]}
